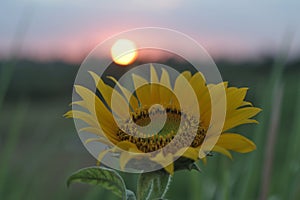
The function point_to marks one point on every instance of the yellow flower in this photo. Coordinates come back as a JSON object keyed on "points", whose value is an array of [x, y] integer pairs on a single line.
{"points": [[100, 120]]}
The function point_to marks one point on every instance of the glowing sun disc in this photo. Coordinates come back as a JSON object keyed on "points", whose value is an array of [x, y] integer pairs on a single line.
{"points": [[123, 52]]}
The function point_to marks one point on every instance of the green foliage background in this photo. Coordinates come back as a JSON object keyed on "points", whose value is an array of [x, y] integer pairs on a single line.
{"points": [[39, 149]]}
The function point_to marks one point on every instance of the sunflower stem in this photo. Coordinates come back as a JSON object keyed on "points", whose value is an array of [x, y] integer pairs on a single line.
{"points": [[153, 185]]}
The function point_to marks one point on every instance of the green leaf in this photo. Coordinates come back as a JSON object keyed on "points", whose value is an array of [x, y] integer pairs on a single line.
{"points": [[107, 178], [153, 185]]}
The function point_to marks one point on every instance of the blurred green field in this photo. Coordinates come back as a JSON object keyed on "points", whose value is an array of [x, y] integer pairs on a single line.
{"points": [[39, 149]]}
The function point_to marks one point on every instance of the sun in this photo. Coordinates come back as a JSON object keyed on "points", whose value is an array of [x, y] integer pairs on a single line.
{"points": [[123, 52]]}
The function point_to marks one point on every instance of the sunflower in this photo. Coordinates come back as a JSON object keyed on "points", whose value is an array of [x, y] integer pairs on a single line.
{"points": [[154, 101]]}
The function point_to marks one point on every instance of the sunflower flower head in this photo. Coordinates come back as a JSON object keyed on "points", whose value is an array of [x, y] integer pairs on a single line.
{"points": [[163, 123]]}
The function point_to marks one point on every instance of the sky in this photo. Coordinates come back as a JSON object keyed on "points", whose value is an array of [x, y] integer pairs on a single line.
{"points": [[68, 29]]}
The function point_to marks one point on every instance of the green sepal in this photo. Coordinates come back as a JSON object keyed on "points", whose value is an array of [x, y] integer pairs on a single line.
{"points": [[194, 166]]}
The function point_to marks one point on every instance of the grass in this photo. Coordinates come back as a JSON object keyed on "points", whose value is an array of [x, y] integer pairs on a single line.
{"points": [[39, 149]]}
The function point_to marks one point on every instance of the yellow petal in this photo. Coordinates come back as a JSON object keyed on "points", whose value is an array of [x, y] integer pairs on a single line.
{"points": [[101, 155], [142, 89], [246, 103], [129, 97], [101, 140], [199, 85], [87, 118], [106, 125], [153, 75], [88, 97], [165, 92], [218, 94], [235, 97], [197, 80], [93, 130], [183, 88], [236, 142], [103, 117], [222, 150], [126, 145], [204, 160], [130, 153], [190, 153], [170, 168], [164, 160], [80, 103], [217, 104], [95, 105], [187, 75], [154, 88], [124, 159], [240, 116], [110, 138], [106, 91]]}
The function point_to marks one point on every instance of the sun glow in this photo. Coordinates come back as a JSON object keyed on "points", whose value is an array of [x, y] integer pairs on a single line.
{"points": [[123, 52]]}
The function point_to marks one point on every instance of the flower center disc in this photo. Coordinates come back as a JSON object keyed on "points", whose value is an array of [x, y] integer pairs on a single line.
{"points": [[154, 140]]}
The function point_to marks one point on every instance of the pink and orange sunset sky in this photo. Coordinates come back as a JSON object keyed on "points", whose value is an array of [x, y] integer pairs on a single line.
{"points": [[68, 30]]}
